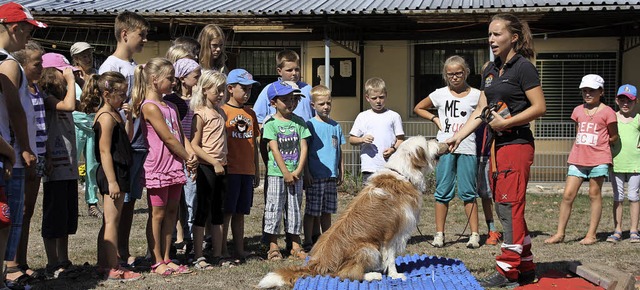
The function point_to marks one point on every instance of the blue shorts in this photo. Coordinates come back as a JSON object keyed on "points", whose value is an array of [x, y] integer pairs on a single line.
{"points": [[585, 172], [452, 169], [239, 195], [15, 198], [137, 183]]}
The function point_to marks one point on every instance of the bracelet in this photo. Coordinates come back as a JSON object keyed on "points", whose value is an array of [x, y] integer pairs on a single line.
{"points": [[434, 116], [394, 148]]}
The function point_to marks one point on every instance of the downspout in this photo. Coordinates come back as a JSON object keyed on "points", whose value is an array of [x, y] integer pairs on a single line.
{"points": [[361, 73], [620, 62]]}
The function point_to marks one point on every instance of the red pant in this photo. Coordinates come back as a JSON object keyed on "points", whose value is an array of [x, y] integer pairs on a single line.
{"points": [[513, 163]]}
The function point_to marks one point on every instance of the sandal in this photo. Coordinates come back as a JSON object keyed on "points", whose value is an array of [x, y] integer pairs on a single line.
{"points": [[180, 269], [274, 255], [298, 253], [634, 237], [20, 282], [167, 272], [615, 237], [201, 264], [34, 274]]}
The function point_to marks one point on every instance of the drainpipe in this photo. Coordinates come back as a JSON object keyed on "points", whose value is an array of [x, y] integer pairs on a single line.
{"points": [[361, 49], [327, 62], [620, 57]]}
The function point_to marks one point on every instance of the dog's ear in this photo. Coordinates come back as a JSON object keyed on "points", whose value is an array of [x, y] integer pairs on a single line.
{"points": [[419, 158]]}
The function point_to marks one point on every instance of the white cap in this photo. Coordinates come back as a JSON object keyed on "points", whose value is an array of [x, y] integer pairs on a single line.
{"points": [[79, 47], [592, 81]]}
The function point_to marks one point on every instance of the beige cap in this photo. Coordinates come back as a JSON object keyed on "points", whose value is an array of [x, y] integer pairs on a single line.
{"points": [[79, 47]]}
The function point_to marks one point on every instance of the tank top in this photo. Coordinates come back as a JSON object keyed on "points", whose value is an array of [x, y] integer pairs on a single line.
{"points": [[121, 153], [625, 152], [162, 168]]}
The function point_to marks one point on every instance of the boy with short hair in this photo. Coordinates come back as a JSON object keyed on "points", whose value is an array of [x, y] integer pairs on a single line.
{"points": [[242, 156], [325, 166], [131, 35], [286, 134], [17, 117], [288, 68], [378, 131]]}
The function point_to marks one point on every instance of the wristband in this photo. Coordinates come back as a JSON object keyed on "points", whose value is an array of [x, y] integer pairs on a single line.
{"points": [[434, 116]]}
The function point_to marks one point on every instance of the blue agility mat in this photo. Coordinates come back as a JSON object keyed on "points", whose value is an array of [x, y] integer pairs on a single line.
{"points": [[422, 271]]}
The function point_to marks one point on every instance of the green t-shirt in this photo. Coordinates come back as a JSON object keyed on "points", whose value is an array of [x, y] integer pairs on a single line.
{"points": [[625, 151], [288, 134]]}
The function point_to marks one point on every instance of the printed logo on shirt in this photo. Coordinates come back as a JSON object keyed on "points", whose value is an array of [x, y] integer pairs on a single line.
{"points": [[488, 80], [587, 134], [288, 143], [241, 125]]}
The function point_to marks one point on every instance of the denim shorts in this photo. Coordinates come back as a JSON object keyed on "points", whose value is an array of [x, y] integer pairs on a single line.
{"points": [[15, 198], [585, 172]]}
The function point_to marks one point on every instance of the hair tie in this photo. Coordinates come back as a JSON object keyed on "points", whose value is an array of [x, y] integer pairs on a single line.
{"points": [[106, 84]]}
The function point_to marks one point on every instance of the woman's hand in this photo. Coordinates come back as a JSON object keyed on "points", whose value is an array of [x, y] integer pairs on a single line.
{"points": [[498, 123]]}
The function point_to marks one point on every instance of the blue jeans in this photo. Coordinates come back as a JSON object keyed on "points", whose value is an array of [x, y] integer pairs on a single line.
{"points": [[15, 199], [190, 203]]}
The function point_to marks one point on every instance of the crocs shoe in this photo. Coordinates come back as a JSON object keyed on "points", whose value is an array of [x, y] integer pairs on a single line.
{"points": [[493, 238]]}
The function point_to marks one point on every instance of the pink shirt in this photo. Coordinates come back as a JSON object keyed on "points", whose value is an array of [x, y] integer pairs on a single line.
{"points": [[163, 168], [591, 147]]}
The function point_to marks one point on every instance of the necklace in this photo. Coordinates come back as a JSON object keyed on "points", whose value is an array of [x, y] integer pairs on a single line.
{"points": [[589, 110]]}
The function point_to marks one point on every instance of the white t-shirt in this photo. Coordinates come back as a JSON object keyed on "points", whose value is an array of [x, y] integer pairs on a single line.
{"points": [[384, 127], [453, 113], [125, 67], [29, 112]]}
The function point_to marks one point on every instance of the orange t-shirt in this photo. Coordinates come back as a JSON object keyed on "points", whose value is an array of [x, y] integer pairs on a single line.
{"points": [[242, 130]]}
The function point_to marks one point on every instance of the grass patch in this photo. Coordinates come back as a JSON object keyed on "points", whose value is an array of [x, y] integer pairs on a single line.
{"points": [[541, 213]]}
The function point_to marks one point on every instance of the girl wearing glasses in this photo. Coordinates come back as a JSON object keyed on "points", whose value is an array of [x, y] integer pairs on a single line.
{"points": [[455, 103]]}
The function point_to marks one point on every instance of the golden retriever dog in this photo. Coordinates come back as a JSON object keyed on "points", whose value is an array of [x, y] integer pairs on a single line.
{"points": [[375, 227]]}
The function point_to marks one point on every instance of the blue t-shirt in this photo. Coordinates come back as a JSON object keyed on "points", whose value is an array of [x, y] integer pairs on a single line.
{"points": [[289, 135], [263, 107], [324, 148]]}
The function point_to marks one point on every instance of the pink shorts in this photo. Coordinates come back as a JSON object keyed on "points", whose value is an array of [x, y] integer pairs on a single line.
{"points": [[160, 196]]}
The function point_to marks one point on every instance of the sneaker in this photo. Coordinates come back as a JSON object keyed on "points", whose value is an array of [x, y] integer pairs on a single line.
{"points": [[527, 277], [497, 280], [438, 240], [474, 241], [94, 211], [122, 274], [493, 238]]}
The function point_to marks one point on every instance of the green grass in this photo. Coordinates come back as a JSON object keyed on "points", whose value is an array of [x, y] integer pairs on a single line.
{"points": [[541, 213]]}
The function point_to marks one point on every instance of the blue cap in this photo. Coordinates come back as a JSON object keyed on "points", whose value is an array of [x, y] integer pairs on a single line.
{"points": [[629, 91], [283, 88], [240, 76]]}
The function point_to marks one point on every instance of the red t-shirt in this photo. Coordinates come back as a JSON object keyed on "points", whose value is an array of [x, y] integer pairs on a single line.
{"points": [[591, 147]]}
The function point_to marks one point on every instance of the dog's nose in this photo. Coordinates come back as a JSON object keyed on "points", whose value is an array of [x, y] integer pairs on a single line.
{"points": [[443, 148]]}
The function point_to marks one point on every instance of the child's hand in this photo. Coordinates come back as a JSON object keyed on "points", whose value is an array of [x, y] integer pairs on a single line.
{"points": [[192, 162], [367, 139], [218, 168], [388, 152], [127, 110], [68, 75], [289, 179], [114, 190], [27, 156]]}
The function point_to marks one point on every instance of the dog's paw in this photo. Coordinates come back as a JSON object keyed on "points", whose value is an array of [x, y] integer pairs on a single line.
{"points": [[398, 276], [373, 276]]}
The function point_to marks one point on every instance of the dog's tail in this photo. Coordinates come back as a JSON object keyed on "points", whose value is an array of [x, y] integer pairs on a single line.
{"points": [[284, 277]]}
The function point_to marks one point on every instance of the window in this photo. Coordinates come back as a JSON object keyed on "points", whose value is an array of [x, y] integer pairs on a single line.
{"points": [[429, 59], [560, 75]]}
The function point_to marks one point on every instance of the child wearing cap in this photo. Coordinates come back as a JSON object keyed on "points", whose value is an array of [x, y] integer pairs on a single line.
{"points": [[60, 183], [626, 167], [590, 156], [242, 133], [286, 134], [15, 109], [82, 59]]}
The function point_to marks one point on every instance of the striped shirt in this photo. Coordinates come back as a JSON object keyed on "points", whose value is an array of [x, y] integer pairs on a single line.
{"points": [[37, 100]]}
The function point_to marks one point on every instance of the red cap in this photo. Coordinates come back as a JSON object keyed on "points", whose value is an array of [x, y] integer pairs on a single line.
{"points": [[14, 12]]}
